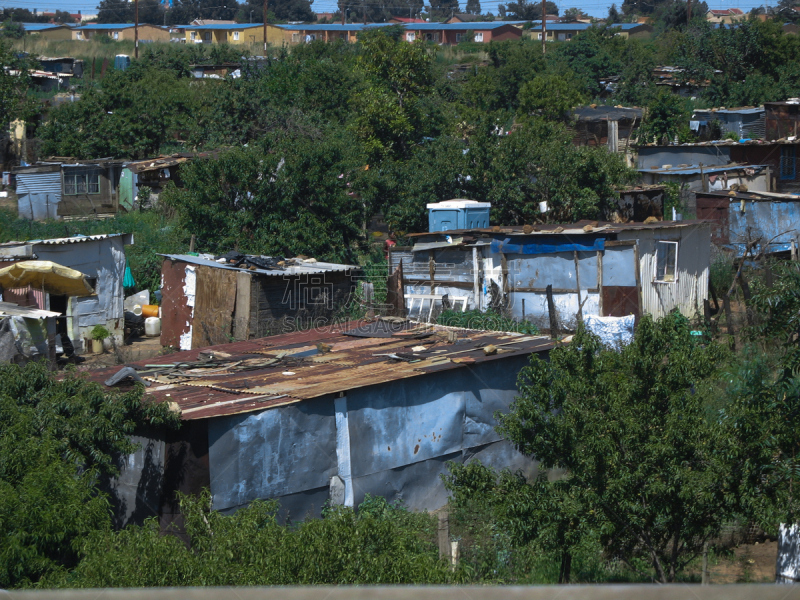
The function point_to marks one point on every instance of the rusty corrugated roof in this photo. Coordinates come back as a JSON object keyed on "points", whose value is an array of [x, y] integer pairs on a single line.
{"points": [[257, 374]]}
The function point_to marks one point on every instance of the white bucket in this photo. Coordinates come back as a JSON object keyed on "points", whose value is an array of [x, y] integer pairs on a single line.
{"points": [[152, 326], [542, 207]]}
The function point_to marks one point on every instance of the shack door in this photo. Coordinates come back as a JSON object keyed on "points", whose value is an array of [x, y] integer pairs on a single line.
{"points": [[620, 296]]}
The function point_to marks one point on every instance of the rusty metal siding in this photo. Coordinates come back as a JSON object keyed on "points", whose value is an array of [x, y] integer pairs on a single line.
{"points": [[176, 313], [691, 288], [715, 209]]}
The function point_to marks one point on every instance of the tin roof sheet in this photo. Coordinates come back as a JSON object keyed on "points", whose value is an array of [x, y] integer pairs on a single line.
{"points": [[562, 229], [310, 268], [265, 373]]}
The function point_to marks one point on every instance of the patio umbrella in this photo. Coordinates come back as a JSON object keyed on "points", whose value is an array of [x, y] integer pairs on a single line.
{"points": [[47, 276]]}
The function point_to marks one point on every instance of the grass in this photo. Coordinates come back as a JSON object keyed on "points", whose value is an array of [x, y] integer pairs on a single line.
{"points": [[86, 51]]}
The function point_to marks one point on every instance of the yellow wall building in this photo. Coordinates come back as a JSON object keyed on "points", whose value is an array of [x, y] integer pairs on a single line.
{"points": [[240, 33], [121, 31]]}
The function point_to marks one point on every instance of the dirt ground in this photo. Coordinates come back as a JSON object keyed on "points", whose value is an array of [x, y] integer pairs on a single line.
{"points": [[139, 349], [749, 563]]}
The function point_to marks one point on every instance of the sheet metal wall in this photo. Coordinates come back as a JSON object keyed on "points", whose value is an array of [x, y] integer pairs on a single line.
{"points": [[694, 255], [104, 260], [400, 434], [287, 452], [38, 195], [778, 221], [657, 156]]}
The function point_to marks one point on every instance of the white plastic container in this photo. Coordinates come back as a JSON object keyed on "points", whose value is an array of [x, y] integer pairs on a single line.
{"points": [[152, 326], [137, 310]]}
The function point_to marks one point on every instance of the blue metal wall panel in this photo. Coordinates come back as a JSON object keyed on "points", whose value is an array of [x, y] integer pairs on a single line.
{"points": [[273, 453], [776, 222], [558, 270], [38, 195], [619, 267]]}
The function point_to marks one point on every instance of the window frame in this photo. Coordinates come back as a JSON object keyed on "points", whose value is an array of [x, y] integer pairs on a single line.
{"points": [[235, 36], [81, 182], [478, 37], [661, 277], [788, 162], [411, 36]]}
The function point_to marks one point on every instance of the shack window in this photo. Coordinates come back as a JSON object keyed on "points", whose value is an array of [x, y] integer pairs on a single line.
{"points": [[788, 162], [295, 38], [235, 36], [81, 183], [192, 35], [478, 36], [666, 261], [411, 36]]}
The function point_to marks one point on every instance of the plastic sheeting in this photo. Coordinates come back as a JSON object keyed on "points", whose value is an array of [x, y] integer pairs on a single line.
{"points": [[787, 565], [613, 331], [506, 246]]}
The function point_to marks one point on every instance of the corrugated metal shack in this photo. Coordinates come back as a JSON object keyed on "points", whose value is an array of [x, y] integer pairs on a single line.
{"points": [[739, 218], [207, 302], [602, 269], [68, 189], [333, 414], [610, 126], [694, 179], [747, 122], [101, 258]]}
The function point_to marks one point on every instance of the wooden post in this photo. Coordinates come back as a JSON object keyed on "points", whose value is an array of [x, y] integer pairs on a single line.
{"points": [[551, 309], [136, 29], [600, 281], [638, 273], [578, 285], [444, 537], [704, 577], [265, 9], [191, 244], [369, 295], [544, 27], [431, 270], [395, 293], [476, 278], [504, 268]]}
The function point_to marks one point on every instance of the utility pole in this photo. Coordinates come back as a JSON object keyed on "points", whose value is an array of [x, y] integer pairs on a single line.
{"points": [[136, 29], [688, 12], [266, 7], [544, 26]]}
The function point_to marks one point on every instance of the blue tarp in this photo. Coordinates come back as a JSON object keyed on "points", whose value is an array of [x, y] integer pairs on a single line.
{"points": [[539, 248]]}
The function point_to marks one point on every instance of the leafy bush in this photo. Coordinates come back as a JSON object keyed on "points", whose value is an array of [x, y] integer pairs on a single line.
{"points": [[378, 544], [58, 439]]}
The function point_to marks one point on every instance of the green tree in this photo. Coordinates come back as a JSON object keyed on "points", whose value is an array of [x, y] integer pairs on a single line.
{"points": [[645, 466], [396, 75], [58, 439], [473, 7], [14, 103], [550, 96], [666, 115]]}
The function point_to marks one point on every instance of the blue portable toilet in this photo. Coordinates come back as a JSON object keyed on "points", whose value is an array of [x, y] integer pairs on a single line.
{"points": [[122, 62], [458, 214]]}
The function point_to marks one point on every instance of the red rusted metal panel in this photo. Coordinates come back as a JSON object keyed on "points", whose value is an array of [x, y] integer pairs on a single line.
{"points": [[257, 374], [176, 315], [715, 209], [620, 301]]}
